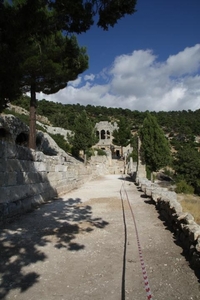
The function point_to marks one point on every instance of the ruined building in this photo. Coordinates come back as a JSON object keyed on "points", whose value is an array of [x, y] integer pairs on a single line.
{"points": [[104, 131]]}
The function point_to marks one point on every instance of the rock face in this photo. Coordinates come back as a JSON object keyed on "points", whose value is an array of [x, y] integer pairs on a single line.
{"points": [[12, 128], [56, 130]]}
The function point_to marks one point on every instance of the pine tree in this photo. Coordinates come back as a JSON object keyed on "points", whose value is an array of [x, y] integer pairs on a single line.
{"points": [[155, 149], [38, 50], [47, 68]]}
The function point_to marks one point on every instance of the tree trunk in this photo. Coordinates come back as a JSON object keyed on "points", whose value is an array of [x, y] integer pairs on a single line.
{"points": [[32, 120]]}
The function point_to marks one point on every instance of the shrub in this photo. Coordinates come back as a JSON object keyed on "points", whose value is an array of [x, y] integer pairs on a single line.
{"points": [[100, 152], [90, 152], [61, 142], [183, 187]]}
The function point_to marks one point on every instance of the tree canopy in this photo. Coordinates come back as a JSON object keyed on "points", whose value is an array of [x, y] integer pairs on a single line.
{"points": [[187, 165], [155, 149], [84, 135], [122, 136], [38, 49]]}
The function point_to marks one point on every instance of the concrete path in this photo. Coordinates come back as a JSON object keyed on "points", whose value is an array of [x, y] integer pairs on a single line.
{"points": [[74, 248]]}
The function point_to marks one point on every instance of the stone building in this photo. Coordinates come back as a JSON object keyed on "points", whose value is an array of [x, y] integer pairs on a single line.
{"points": [[104, 131]]}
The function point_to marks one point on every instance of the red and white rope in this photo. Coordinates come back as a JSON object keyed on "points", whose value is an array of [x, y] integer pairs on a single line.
{"points": [[144, 272]]}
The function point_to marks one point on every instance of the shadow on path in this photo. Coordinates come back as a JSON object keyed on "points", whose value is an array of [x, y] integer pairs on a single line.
{"points": [[21, 242], [168, 226]]}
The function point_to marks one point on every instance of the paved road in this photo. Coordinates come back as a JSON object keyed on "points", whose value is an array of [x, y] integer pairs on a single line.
{"points": [[73, 249]]}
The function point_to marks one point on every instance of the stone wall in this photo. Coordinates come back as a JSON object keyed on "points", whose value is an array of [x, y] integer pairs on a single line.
{"points": [[186, 230], [29, 178]]}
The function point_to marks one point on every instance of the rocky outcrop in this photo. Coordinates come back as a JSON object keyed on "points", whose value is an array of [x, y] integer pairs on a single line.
{"points": [[23, 111], [182, 223], [56, 130], [12, 129]]}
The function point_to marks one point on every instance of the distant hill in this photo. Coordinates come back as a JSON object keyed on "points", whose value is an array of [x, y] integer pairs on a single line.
{"points": [[63, 115]]}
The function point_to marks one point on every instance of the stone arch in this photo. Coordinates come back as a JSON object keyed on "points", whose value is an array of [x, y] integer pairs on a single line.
{"points": [[108, 134], [22, 139], [103, 134]]}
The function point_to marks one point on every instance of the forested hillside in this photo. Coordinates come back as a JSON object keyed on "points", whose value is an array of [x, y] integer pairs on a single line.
{"points": [[182, 123]]}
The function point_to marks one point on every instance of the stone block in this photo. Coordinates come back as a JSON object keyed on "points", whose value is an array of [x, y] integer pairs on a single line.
{"points": [[38, 156], [39, 166], [2, 149], [4, 194], [11, 151], [198, 245], [3, 165], [11, 178], [61, 168], [23, 153], [14, 165], [194, 232]]}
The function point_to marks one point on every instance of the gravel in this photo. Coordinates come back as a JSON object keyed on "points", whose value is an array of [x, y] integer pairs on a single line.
{"points": [[74, 248]]}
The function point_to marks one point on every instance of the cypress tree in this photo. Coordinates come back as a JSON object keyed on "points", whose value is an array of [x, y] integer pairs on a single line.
{"points": [[155, 149], [84, 135]]}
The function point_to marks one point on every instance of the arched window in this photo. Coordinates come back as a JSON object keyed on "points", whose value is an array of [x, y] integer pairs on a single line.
{"points": [[108, 134], [102, 134]]}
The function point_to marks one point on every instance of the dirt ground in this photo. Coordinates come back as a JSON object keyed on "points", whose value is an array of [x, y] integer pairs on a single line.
{"points": [[80, 247]]}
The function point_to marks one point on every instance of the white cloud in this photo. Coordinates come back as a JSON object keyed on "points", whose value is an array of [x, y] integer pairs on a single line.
{"points": [[138, 81], [75, 82], [90, 77]]}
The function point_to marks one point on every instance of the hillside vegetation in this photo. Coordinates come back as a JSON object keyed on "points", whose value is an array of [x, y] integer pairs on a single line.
{"points": [[182, 123]]}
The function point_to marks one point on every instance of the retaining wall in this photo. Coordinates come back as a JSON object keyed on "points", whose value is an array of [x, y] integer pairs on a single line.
{"points": [[29, 178], [182, 224]]}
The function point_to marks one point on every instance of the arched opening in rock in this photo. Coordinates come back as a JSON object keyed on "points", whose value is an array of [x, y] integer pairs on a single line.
{"points": [[22, 139]]}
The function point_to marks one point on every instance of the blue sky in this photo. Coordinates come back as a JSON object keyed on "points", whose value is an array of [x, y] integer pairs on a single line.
{"points": [[148, 61]]}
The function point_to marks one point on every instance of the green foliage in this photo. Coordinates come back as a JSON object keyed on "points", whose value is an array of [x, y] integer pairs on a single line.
{"points": [[134, 145], [122, 136], [155, 149], [91, 152], [61, 142], [84, 136], [187, 164], [100, 152], [183, 187], [23, 118]]}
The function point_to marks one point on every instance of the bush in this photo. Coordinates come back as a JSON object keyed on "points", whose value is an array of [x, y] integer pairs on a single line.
{"points": [[100, 152], [183, 187], [134, 156], [60, 141], [90, 152]]}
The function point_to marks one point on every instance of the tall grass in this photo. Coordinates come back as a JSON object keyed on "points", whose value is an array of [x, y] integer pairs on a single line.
{"points": [[191, 204]]}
